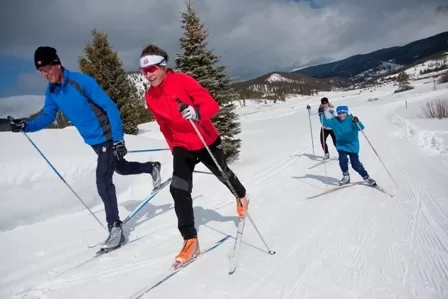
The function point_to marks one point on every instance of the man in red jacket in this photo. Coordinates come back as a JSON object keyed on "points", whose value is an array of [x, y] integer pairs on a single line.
{"points": [[167, 88]]}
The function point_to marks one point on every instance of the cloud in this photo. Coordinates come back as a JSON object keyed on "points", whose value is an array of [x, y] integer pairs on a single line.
{"points": [[26, 83], [20, 106], [252, 36]]}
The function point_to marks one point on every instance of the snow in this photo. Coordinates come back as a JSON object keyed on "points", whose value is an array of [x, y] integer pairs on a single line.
{"points": [[429, 67], [277, 78], [383, 68], [353, 243]]}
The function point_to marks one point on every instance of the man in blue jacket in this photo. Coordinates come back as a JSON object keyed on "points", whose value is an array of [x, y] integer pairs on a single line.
{"points": [[98, 121], [346, 128]]}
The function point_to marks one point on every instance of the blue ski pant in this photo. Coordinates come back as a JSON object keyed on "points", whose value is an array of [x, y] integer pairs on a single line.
{"points": [[354, 160], [107, 164]]}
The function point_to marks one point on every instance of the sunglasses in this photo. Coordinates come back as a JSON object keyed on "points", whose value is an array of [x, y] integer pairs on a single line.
{"points": [[150, 68], [45, 69]]}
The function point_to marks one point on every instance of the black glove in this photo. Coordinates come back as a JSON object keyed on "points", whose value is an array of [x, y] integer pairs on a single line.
{"points": [[355, 119], [120, 150], [308, 107], [17, 125]]}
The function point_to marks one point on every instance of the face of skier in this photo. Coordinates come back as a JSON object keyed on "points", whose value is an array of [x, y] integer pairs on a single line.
{"points": [[53, 73], [342, 116], [155, 74]]}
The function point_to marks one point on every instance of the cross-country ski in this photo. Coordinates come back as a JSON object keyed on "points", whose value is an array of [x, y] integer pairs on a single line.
{"points": [[135, 164], [173, 270]]}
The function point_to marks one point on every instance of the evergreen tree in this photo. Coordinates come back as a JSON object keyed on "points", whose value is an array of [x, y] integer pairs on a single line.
{"points": [[102, 63], [201, 63]]}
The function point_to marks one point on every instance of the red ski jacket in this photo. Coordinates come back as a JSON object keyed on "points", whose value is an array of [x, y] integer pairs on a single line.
{"points": [[161, 101]]}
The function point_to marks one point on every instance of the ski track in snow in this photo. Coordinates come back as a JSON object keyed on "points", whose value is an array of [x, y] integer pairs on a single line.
{"points": [[350, 244]]}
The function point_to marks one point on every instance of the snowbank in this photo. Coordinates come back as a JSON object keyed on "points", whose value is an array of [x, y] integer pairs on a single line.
{"points": [[430, 134], [31, 191]]}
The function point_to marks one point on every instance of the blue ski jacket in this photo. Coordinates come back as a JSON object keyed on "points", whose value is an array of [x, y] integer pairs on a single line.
{"points": [[85, 104], [346, 131]]}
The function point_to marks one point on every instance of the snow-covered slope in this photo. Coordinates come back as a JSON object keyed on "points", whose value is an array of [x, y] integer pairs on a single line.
{"points": [[383, 68], [428, 69], [277, 78], [353, 243]]}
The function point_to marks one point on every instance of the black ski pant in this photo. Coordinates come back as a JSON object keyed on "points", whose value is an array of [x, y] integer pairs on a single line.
{"points": [[181, 186], [323, 138], [107, 164]]}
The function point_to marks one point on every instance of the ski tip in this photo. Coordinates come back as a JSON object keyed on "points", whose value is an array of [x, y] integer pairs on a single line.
{"points": [[271, 252]]}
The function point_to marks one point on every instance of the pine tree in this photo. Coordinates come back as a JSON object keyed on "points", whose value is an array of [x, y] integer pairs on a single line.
{"points": [[201, 63], [102, 63]]}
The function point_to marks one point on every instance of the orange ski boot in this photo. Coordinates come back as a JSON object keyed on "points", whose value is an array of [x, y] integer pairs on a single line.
{"points": [[188, 253], [241, 210]]}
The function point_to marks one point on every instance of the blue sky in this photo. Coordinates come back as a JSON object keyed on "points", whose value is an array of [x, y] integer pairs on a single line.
{"points": [[252, 37]]}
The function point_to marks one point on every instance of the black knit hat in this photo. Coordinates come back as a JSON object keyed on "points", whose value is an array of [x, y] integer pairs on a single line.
{"points": [[45, 56], [324, 101]]}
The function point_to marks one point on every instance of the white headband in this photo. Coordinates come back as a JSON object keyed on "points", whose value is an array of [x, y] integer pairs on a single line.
{"points": [[152, 60]]}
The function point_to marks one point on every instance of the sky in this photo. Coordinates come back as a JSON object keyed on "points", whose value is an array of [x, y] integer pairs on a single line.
{"points": [[252, 36]]}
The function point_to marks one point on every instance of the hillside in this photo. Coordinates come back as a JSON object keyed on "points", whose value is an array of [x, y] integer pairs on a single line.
{"points": [[277, 85], [362, 67]]}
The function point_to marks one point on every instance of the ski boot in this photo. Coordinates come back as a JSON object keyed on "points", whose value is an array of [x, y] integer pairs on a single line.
{"points": [[345, 179], [241, 210], [188, 253], [155, 174], [115, 238], [327, 156], [369, 181]]}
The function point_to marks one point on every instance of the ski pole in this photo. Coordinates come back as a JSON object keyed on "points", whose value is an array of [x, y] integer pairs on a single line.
{"points": [[203, 172], [376, 153], [226, 179], [308, 107], [149, 150], [323, 146], [59, 175]]}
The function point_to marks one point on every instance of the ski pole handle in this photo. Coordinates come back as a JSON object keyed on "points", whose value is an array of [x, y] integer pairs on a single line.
{"points": [[182, 105]]}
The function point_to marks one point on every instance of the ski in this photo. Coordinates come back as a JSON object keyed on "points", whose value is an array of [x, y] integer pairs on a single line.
{"points": [[233, 259], [336, 188], [154, 192], [171, 271], [322, 162], [382, 190]]}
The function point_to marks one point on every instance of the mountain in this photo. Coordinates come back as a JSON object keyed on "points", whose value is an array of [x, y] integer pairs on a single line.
{"points": [[363, 67], [349, 72], [276, 85]]}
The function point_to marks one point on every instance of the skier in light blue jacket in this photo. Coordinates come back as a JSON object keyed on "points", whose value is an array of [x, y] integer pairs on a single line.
{"points": [[346, 128]]}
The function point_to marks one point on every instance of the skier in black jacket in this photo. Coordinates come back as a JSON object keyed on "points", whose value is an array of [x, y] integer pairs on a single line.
{"points": [[324, 132]]}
